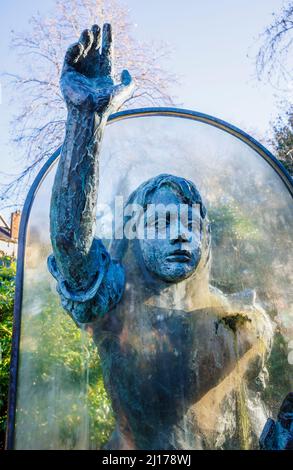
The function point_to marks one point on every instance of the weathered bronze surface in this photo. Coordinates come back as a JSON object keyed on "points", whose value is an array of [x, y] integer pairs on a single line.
{"points": [[181, 361]]}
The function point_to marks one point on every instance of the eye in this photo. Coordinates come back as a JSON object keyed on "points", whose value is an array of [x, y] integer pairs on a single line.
{"points": [[158, 224], [161, 221]]}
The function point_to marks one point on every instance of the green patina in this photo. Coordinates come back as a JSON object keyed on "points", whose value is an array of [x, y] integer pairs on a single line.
{"points": [[235, 321]]}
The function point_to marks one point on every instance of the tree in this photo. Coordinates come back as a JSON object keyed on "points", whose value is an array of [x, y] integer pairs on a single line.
{"points": [[273, 58], [38, 126], [274, 63], [282, 140]]}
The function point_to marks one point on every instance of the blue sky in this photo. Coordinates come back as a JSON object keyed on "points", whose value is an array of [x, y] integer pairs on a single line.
{"points": [[213, 47]]}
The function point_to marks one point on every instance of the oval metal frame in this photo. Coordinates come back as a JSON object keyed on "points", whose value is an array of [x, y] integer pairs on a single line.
{"points": [[129, 114]]}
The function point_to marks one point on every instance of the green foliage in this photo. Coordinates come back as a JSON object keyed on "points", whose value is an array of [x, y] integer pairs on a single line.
{"points": [[235, 237], [54, 354], [67, 394], [280, 373], [7, 283], [228, 221]]}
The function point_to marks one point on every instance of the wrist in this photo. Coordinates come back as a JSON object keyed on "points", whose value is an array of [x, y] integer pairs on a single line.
{"points": [[84, 127], [82, 115]]}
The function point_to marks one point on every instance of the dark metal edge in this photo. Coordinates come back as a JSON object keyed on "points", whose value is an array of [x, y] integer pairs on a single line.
{"points": [[12, 396], [215, 122]]}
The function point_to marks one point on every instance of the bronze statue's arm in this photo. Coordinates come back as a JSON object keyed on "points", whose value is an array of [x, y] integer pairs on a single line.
{"points": [[91, 96]]}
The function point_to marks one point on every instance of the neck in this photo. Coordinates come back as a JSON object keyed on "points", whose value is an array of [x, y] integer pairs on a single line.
{"points": [[188, 295]]}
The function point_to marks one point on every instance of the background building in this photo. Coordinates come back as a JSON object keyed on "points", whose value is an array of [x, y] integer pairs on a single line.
{"points": [[9, 234]]}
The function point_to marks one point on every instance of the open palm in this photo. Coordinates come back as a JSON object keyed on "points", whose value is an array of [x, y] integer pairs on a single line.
{"points": [[87, 76]]}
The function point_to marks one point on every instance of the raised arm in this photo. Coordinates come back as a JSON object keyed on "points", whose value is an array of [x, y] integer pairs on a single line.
{"points": [[91, 95]]}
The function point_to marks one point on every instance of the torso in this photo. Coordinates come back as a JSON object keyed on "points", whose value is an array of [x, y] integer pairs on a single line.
{"points": [[164, 368]]}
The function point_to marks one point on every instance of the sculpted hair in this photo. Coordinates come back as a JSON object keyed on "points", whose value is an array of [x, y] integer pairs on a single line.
{"points": [[185, 188]]}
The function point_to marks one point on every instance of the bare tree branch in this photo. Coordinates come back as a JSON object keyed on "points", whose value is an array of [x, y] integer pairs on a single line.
{"points": [[274, 61], [38, 126]]}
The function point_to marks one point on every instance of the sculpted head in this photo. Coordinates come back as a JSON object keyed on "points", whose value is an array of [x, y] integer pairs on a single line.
{"points": [[174, 226]]}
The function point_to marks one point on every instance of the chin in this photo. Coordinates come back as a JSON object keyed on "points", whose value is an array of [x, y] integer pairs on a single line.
{"points": [[175, 273]]}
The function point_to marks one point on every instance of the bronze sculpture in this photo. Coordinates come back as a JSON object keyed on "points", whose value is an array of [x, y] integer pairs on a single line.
{"points": [[182, 362]]}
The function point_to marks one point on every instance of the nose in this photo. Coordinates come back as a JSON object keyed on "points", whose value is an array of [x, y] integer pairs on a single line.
{"points": [[183, 236]]}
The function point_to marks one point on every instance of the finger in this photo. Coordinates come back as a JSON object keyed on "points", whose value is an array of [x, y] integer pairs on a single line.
{"points": [[107, 51], [73, 54], [96, 30], [86, 40], [123, 90], [126, 78], [93, 69]]}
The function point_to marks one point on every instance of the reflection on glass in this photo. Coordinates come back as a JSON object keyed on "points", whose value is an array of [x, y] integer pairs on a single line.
{"points": [[238, 378]]}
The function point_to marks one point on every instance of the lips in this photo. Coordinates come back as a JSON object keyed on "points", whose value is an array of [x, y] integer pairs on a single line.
{"points": [[179, 255]]}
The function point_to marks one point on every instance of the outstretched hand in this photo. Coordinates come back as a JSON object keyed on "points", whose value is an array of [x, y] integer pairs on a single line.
{"points": [[87, 79]]}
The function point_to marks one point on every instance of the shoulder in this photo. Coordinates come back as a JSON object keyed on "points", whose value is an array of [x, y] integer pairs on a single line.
{"points": [[244, 313]]}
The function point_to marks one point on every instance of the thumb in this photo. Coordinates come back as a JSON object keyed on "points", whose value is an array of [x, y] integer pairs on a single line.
{"points": [[126, 78]]}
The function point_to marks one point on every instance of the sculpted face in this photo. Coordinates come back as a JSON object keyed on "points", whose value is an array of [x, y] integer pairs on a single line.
{"points": [[173, 250]]}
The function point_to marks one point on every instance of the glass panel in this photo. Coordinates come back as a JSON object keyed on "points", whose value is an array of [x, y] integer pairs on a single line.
{"points": [[193, 367]]}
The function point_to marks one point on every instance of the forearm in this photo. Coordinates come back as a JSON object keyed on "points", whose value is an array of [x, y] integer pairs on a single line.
{"points": [[74, 197], [88, 87]]}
